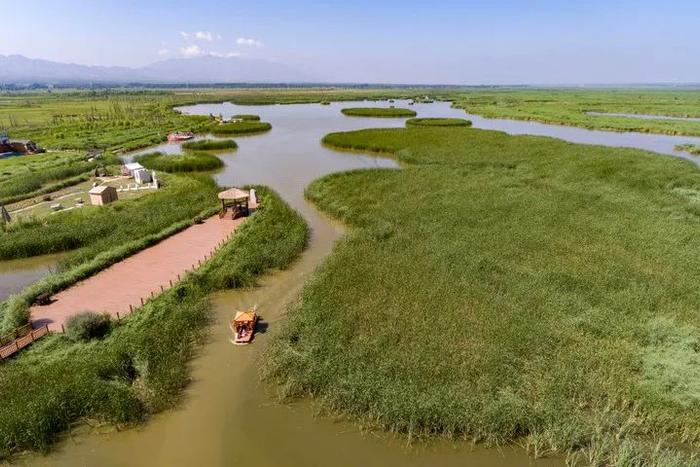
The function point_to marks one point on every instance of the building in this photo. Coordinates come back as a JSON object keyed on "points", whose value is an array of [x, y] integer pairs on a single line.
{"points": [[103, 194], [142, 176], [128, 169]]}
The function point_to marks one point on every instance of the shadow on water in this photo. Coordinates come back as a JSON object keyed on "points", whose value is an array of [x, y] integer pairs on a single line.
{"points": [[227, 418]]}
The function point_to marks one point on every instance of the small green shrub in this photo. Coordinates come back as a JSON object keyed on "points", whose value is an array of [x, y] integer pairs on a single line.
{"points": [[88, 325]]}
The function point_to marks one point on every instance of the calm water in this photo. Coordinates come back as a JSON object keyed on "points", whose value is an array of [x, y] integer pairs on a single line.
{"points": [[15, 275], [226, 417]]}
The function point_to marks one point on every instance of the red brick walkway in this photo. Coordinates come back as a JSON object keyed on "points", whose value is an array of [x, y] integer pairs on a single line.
{"points": [[125, 283]]}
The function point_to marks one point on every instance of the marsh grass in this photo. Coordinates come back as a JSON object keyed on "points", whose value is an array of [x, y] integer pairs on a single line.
{"points": [[391, 112], [444, 122], [190, 161], [210, 145], [143, 365], [239, 128], [247, 117], [503, 288], [95, 229], [691, 148]]}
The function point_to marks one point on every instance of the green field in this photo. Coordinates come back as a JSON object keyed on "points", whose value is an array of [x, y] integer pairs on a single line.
{"points": [[507, 289], [569, 107], [390, 112], [141, 367]]}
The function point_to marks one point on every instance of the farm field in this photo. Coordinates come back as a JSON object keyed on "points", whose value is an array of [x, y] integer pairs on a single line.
{"points": [[506, 288]]}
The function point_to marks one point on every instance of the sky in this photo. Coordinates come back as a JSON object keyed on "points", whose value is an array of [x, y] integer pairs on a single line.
{"points": [[377, 41]]}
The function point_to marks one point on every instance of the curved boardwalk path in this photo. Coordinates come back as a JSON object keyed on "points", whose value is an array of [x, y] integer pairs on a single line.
{"points": [[125, 283]]}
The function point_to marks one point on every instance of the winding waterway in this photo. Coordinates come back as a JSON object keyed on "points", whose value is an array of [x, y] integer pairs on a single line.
{"points": [[226, 417]]}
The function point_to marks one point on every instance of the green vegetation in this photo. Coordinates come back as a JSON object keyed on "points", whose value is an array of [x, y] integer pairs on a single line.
{"points": [[239, 128], [97, 229], [691, 148], [570, 107], [432, 122], [141, 367], [247, 117], [195, 161], [391, 112], [210, 145], [507, 288], [88, 325], [27, 176], [114, 120]]}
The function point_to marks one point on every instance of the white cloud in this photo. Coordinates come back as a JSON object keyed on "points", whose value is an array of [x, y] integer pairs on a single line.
{"points": [[226, 54], [199, 35], [191, 51], [162, 52], [248, 42]]}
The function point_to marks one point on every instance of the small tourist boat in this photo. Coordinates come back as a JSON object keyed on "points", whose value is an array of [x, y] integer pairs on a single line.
{"points": [[180, 136], [243, 326]]}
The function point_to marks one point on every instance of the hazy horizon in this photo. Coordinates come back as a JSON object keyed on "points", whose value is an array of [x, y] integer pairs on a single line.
{"points": [[461, 43]]}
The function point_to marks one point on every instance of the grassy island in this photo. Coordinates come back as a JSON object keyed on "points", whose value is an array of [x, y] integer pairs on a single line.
{"points": [[390, 112], [245, 127], [691, 148], [433, 122], [210, 145], [194, 161], [507, 288]]}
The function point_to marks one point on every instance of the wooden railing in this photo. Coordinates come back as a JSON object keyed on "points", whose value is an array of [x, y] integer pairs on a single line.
{"points": [[23, 341], [17, 333]]}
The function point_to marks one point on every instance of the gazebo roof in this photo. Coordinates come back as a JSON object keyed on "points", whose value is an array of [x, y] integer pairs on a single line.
{"points": [[234, 194]]}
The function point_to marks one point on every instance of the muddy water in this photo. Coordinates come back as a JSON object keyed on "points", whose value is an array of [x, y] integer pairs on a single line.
{"points": [[226, 417], [16, 274]]}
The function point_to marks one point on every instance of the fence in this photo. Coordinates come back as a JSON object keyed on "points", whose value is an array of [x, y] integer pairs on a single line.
{"points": [[23, 341]]}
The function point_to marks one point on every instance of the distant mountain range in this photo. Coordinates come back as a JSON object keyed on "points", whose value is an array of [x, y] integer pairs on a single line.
{"points": [[203, 69]]}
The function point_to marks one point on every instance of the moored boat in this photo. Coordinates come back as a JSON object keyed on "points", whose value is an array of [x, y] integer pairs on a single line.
{"points": [[180, 136], [243, 326]]}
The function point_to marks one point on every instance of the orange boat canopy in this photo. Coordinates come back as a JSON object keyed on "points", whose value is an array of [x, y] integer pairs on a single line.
{"points": [[245, 317]]}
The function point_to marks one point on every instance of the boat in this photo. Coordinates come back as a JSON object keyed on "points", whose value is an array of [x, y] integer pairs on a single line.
{"points": [[180, 136], [243, 326]]}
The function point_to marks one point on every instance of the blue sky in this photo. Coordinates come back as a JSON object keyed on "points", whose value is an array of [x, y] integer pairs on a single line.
{"points": [[444, 41]]}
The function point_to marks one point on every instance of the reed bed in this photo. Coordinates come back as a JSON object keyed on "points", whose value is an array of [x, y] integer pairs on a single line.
{"points": [[507, 289], [444, 122], [691, 148], [247, 117], [142, 366], [191, 161], [239, 128], [210, 145], [379, 112]]}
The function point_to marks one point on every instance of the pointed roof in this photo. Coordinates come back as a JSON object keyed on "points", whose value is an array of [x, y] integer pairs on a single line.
{"points": [[234, 194], [245, 316]]}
